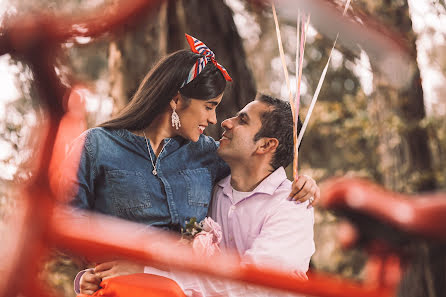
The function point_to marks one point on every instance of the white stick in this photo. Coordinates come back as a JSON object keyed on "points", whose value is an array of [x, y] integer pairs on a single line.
{"points": [[297, 49], [313, 101], [282, 56], [319, 86]]}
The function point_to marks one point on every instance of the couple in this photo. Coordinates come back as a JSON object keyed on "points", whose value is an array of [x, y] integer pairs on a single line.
{"points": [[151, 164]]}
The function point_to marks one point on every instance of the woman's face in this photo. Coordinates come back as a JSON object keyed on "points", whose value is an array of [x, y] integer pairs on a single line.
{"points": [[195, 115]]}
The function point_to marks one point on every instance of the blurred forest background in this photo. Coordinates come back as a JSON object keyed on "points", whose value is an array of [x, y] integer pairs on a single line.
{"points": [[362, 125]]}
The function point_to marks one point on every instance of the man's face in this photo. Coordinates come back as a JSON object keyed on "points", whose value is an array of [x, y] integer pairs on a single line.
{"points": [[237, 141]]}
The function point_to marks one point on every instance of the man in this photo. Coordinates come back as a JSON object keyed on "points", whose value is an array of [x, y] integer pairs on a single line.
{"points": [[251, 205]]}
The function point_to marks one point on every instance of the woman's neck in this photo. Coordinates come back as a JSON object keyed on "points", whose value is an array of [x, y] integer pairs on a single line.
{"points": [[158, 130]]}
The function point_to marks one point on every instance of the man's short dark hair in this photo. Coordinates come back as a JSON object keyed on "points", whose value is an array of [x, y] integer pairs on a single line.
{"points": [[278, 123]]}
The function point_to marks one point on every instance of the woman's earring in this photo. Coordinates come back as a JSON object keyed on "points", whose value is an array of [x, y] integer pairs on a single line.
{"points": [[175, 119]]}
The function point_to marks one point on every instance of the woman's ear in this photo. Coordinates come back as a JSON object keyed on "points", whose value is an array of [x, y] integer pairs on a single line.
{"points": [[267, 145], [174, 101]]}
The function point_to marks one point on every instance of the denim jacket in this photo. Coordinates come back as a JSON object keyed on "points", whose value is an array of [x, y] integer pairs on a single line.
{"points": [[115, 177]]}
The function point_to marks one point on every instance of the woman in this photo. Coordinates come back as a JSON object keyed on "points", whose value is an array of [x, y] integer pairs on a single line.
{"points": [[151, 164]]}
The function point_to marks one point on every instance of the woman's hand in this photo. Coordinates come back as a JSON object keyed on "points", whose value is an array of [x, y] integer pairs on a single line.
{"points": [[89, 282], [117, 268], [305, 188]]}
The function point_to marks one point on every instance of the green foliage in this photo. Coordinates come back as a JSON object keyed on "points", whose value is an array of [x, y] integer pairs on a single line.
{"points": [[341, 140], [192, 228]]}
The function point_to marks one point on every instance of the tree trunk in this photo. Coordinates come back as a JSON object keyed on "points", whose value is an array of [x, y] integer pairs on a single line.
{"points": [[216, 28], [405, 156], [405, 163], [133, 54]]}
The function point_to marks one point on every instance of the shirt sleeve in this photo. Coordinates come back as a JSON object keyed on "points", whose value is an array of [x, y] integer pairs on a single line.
{"points": [[286, 240], [77, 174]]}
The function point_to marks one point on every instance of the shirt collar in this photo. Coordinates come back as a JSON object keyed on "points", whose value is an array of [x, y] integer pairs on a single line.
{"points": [[268, 186]]}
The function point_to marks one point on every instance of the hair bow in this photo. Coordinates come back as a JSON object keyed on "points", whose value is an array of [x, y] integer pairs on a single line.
{"points": [[207, 56]]}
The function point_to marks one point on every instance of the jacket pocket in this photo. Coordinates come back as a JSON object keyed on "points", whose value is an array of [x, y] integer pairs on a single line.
{"points": [[129, 192], [199, 186]]}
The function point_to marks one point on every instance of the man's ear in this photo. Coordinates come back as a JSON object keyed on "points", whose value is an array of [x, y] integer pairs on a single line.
{"points": [[174, 102], [267, 145]]}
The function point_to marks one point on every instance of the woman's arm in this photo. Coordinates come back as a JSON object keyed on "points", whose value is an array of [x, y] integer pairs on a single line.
{"points": [[77, 174]]}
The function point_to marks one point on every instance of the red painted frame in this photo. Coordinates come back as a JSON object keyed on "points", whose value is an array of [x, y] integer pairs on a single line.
{"points": [[42, 222]]}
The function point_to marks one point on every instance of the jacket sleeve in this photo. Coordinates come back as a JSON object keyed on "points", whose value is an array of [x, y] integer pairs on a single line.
{"points": [[78, 172]]}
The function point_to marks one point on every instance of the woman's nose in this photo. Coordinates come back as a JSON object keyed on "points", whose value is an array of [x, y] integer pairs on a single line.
{"points": [[213, 118]]}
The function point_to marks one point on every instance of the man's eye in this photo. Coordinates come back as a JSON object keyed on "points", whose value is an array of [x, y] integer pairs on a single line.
{"points": [[242, 121], [208, 108]]}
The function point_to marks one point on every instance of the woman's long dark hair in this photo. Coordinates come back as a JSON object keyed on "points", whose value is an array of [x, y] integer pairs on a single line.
{"points": [[161, 84]]}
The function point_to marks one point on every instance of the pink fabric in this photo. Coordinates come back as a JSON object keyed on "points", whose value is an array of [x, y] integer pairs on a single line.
{"points": [[266, 228], [206, 242]]}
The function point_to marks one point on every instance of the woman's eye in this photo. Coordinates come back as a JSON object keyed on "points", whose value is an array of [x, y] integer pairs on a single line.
{"points": [[208, 108]]}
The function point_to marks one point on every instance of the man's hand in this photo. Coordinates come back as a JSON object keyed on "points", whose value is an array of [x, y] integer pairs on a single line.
{"points": [[117, 268], [89, 283], [305, 188]]}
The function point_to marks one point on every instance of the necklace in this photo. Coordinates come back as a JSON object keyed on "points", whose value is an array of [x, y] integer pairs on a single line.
{"points": [[154, 172]]}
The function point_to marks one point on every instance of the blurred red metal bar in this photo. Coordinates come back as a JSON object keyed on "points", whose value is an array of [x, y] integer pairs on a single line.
{"points": [[126, 12], [387, 49], [21, 35], [422, 215], [99, 237], [357, 27]]}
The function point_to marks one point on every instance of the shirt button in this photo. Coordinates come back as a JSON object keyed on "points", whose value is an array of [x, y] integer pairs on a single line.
{"points": [[233, 207]]}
